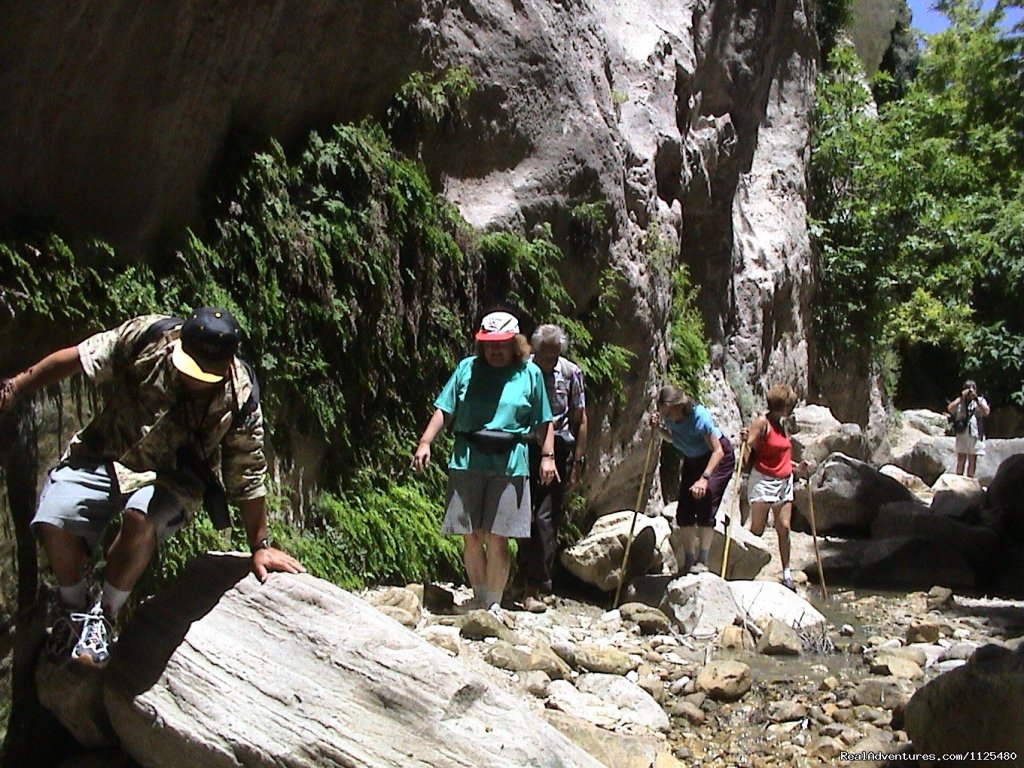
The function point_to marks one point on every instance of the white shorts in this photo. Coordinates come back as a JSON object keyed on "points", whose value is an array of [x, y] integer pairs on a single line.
{"points": [[969, 446], [774, 490]]}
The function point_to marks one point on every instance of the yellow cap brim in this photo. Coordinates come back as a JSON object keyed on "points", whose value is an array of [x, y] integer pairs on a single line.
{"points": [[188, 366]]}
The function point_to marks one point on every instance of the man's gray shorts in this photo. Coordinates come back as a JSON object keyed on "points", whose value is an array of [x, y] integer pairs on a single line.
{"points": [[484, 500], [82, 500]]}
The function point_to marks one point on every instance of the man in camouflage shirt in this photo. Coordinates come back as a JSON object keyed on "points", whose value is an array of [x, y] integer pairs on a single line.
{"points": [[179, 409]]}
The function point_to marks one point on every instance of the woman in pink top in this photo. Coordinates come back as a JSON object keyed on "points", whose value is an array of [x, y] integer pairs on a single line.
{"points": [[771, 478]]}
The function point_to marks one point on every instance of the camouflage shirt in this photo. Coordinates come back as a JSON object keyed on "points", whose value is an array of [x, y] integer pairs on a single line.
{"points": [[146, 417]]}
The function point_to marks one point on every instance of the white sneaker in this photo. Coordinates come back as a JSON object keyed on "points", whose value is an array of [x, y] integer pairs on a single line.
{"points": [[95, 638], [496, 611]]}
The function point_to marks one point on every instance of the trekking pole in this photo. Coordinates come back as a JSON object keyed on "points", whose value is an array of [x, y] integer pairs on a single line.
{"points": [[814, 535], [636, 511], [735, 505]]}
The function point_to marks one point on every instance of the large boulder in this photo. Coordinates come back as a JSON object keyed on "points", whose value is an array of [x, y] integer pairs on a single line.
{"points": [[220, 669], [816, 434], [903, 562], [912, 483], [1005, 496], [928, 457], [958, 497], [996, 452], [768, 600], [974, 708], [596, 559], [700, 605], [847, 496], [978, 545]]}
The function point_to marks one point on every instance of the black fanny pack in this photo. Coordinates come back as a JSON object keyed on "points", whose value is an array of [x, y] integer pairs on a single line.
{"points": [[492, 440], [215, 500]]}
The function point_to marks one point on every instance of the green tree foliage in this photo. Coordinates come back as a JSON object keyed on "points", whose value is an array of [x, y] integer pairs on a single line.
{"points": [[917, 208], [831, 17]]}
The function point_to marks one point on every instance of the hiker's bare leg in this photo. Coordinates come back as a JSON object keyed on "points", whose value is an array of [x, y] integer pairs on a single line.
{"points": [[972, 464], [961, 460], [783, 518], [131, 551], [758, 516], [498, 562], [474, 556], [65, 553]]}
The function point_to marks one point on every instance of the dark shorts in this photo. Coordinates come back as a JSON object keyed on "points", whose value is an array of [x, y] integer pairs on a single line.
{"points": [[702, 512]]}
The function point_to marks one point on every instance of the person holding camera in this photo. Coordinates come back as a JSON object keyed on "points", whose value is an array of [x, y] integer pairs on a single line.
{"points": [[966, 413], [179, 413]]}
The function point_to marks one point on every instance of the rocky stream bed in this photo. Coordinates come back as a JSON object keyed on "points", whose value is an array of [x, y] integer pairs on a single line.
{"points": [[760, 694]]}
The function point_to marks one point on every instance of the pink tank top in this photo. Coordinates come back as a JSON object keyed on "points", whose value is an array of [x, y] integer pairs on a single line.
{"points": [[775, 454]]}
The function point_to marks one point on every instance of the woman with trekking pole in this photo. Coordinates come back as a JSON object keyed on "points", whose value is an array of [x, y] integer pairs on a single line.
{"points": [[771, 477], [708, 461], [495, 400]]}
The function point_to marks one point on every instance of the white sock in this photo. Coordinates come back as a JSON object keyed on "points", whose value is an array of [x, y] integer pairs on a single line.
{"points": [[493, 597], [787, 573], [480, 592], [113, 599], [75, 597]]}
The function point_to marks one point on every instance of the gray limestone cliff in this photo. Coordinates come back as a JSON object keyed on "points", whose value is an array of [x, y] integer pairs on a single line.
{"points": [[690, 118]]}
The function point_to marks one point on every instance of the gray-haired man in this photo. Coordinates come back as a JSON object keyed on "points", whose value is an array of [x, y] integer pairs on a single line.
{"points": [[563, 380]]}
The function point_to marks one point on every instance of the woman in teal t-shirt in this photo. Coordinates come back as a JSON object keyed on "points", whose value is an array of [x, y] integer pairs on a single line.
{"points": [[498, 393]]}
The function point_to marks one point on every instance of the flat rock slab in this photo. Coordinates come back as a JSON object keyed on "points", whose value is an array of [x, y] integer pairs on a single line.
{"points": [[764, 600], [220, 670]]}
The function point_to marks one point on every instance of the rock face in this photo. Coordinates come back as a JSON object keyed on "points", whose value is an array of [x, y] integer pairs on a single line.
{"points": [[847, 496], [199, 678], [597, 559], [977, 706], [690, 120]]}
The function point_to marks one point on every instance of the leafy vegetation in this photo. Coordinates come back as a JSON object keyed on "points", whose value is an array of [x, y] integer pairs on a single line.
{"points": [[356, 286], [688, 345], [918, 206], [429, 100], [831, 18]]}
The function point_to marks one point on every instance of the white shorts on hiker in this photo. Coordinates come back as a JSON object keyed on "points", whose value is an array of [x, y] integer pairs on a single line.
{"points": [[773, 490]]}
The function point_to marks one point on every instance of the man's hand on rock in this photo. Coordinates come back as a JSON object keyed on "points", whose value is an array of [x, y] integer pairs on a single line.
{"points": [[269, 559]]}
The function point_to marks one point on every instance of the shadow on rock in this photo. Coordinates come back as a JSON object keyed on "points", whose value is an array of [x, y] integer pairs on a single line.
{"points": [[158, 626]]}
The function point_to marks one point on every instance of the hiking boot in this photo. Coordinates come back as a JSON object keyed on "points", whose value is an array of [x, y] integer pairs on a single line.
{"points": [[787, 582], [94, 638], [62, 638], [496, 611], [534, 604], [699, 568]]}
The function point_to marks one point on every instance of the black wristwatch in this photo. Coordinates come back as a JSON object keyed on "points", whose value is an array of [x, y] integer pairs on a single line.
{"points": [[263, 543]]}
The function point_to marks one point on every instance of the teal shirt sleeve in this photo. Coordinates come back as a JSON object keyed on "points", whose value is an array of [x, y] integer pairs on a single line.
{"points": [[448, 399]]}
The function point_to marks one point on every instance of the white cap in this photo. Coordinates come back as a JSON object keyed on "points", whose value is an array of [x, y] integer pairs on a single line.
{"points": [[497, 326]]}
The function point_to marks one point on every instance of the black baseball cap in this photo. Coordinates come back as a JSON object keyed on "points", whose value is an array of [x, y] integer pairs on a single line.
{"points": [[207, 345]]}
